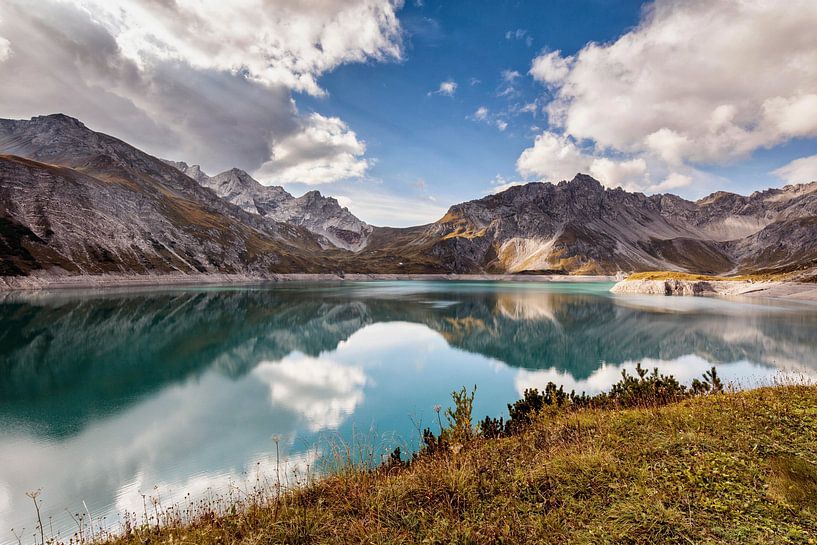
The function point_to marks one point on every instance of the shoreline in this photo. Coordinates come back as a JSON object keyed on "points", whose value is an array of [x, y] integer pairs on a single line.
{"points": [[776, 289], [37, 283], [671, 287]]}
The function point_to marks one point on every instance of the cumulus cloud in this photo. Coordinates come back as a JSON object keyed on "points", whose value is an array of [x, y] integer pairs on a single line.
{"points": [[325, 150], [799, 171], [618, 173], [550, 67], [556, 157], [175, 80], [481, 114], [696, 82], [280, 42], [322, 391], [501, 124]]}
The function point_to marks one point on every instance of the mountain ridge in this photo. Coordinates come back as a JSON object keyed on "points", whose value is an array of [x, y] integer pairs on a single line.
{"points": [[78, 202], [321, 215]]}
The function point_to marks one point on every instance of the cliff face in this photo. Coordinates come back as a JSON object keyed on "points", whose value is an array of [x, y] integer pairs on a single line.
{"points": [[75, 201]]}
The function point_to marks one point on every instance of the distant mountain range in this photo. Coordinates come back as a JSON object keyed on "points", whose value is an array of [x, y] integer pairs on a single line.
{"points": [[78, 202]]}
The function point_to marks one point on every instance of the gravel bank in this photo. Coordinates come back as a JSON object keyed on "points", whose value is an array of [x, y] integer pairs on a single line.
{"points": [[15, 283]]}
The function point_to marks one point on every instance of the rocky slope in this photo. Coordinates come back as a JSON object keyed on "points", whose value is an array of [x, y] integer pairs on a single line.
{"points": [[74, 201], [581, 227], [321, 215]]}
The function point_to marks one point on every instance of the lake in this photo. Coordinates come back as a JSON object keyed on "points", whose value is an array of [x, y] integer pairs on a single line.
{"points": [[106, 396]]}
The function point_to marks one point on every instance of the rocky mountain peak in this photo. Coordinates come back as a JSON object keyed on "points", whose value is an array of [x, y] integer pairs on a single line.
{"points": [[719, 196], [582, 182], [318, 214], [58, 119], [313, 194]]}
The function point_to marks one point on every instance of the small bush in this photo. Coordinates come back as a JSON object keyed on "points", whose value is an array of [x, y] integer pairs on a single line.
{"points": [[642, 389], [459, 428]]}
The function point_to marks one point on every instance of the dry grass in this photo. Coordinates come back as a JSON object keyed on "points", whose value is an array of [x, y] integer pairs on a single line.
{"points": [[675, 275], [738, 467]]}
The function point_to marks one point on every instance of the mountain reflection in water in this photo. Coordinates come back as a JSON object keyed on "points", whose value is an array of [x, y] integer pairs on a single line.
{"points": [[104, 395]]}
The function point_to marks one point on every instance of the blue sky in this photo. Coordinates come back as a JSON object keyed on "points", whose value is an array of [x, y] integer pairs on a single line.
{"points": [[403, 108], [431, 145]]}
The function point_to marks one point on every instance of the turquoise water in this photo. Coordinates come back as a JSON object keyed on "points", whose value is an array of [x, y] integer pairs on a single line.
{"points": [[108, 396]]}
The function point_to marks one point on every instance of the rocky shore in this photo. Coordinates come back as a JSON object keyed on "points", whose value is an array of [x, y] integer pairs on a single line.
{"points": [[776, 289]]}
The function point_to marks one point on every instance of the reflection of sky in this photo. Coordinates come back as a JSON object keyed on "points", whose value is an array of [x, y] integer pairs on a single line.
{"points": [[740, 374], [215, 428]]}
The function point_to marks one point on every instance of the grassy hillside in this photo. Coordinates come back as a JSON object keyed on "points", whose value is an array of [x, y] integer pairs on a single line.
{"points": [[648, 463]]}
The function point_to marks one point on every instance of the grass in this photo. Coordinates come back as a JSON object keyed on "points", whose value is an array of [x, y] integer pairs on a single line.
{"points": [[675, 275], [649, 462]]}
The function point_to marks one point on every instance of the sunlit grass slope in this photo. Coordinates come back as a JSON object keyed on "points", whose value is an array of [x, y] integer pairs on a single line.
{"points": [[737, 467]]}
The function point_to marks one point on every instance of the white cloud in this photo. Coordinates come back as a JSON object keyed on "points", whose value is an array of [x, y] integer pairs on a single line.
{"points": [[696, 82], [323, 392], [324, 151], [673, 181], [447, 88], [380, 207], [208, 82], [510, 75], [483, 114], [343, 200], [553, 157], [799, 171], [550, 67], [684, 369], [274, 42], [619, 173]]}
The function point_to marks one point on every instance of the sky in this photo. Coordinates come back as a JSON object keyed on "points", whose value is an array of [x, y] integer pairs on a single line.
{"points": [[401, 109]]}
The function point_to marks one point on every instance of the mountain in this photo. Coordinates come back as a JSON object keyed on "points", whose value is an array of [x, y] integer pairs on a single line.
{"points": [[579, 226], [321, 215], [74, 201], [77, 202]]}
